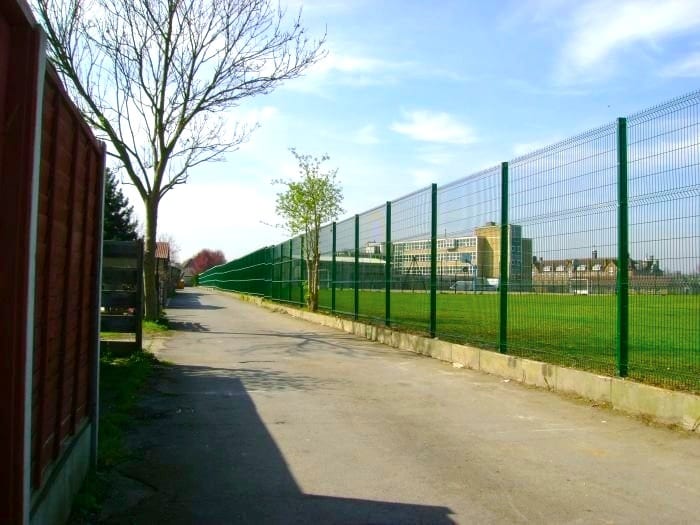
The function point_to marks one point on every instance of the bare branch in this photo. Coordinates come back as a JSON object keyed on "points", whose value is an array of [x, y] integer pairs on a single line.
{"points": [[154, 77]]}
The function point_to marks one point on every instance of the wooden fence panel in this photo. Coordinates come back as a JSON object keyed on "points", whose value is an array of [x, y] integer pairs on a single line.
{"points": [[67, 254], [20, 64]]}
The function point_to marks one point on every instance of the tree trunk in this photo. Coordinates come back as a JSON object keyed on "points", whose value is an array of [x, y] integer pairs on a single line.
{"points": [[313, 285], [152, 312]]}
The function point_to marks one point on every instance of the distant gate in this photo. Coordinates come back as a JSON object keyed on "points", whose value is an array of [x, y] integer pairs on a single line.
{"points": [[122, 294]]}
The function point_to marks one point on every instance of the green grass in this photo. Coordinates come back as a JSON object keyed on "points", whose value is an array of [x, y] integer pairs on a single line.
{"points": [[161, 326], [570, 330], [156, 327], [121, 381]]}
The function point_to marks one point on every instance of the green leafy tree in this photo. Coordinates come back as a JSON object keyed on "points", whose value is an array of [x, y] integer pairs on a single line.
{"points": [[154, 78], [119, 222], [304, 206]]}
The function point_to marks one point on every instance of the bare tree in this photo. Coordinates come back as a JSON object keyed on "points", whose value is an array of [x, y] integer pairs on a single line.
{"points": [[154, 78]]}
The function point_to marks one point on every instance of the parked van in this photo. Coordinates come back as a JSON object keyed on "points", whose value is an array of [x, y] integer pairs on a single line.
{"points": [[481, 285]]}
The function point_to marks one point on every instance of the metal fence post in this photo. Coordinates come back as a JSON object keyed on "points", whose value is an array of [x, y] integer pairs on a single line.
{"points": [[302, 262], [505, 256], [357, 267], [333, 273], [433, 259], [622, 251], [273, 274], [291, 270], [268, 277], [387, 267]]}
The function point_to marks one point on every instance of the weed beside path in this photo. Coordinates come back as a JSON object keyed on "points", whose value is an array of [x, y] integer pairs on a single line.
{"points": [[122, 380]]}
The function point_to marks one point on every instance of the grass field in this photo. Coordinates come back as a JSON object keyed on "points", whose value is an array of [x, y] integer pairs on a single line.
{"points": [[571, 330]]}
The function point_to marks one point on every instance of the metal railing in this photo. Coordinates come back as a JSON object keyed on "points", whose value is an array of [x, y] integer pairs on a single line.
{"points": [[585, 253]]}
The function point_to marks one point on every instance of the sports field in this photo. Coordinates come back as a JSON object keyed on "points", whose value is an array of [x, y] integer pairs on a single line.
{"points": [[567, 329]]}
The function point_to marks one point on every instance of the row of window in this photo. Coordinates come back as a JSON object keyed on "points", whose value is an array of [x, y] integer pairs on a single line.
{"points": [[425, 257], [579, 268], [442, 244], [448, 270]]}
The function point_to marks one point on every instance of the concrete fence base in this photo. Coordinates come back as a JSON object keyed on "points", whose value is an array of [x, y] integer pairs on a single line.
{"points": [[663, 406]]}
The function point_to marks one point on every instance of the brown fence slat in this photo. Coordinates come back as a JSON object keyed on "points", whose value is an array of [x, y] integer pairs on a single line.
{"points": [[116, 277], [118, 348], [119, 323], [117, 298], [19, 71], [65, 349]]}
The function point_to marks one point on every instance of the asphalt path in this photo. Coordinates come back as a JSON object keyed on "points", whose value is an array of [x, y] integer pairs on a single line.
{"points": [[263, 418]]}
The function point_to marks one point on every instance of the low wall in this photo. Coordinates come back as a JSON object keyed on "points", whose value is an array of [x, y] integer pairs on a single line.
{"points": [[661, 405]]}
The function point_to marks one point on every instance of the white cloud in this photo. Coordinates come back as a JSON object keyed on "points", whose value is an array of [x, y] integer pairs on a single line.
{"points": [[366, 135], [429, 126], [359, 70], [424, 177], [687, 67], [601, 29], [349, 70]]}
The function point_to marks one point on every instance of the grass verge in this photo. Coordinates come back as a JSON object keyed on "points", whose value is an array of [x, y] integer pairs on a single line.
{"points": [[160, 326], [121, 381]]}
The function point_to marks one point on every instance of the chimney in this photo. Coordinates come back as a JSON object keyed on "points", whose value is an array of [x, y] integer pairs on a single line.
{"points": [[595, 254]]}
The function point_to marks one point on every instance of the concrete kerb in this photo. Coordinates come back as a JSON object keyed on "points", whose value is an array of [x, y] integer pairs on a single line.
{"points": [[663, 406]]}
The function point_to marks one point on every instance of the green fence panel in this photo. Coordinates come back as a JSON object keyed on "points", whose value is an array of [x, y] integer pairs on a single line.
{"points": [[410, 259], [563, 252], [467, 300], [371, 264], [345, 267], [248, 275], [664, 238], [296, 278], [325, 249]]}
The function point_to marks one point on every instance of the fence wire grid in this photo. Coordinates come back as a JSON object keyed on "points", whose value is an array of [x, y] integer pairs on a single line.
{"points": [[585, 254]]}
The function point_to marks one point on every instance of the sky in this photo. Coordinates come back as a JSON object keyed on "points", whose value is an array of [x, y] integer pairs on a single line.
{"points": [[416, 92]]}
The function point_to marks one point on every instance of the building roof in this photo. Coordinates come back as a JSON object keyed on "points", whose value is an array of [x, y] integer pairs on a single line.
{"points": [[162, 250]]}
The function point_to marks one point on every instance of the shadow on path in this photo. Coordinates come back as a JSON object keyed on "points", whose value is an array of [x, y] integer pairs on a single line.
{"points": [[208, 457], [187, 326], [190, 301]]}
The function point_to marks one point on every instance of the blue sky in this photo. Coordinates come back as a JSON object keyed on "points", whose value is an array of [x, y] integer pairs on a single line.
{"points": [[415, 92]]}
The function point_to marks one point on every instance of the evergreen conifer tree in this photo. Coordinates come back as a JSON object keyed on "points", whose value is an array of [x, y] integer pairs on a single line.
{"points": [[119, 223]]}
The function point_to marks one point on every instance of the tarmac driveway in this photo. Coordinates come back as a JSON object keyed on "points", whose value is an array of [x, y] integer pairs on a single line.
{"points": [[263, 418]]}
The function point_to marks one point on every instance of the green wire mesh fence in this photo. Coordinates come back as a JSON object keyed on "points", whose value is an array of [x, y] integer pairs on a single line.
{"points": [[469, 211], [562, 237], [584, 254]]}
